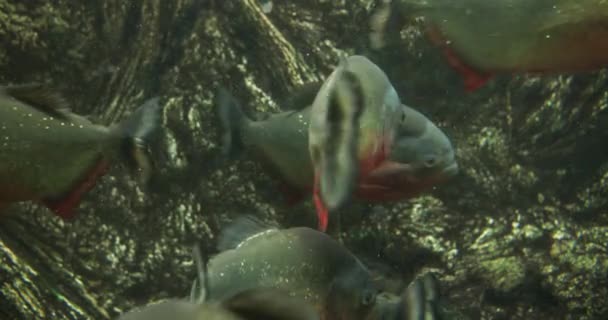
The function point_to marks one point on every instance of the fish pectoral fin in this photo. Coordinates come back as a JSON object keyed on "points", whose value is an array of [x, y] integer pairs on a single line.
{"points": [[40, 97], [269, 303], [64, 206]]}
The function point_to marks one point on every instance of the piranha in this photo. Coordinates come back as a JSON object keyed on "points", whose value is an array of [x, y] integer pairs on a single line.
{"points": [[400, 152], [252, 304], [50, 155], [310, 265], [483, 38]]}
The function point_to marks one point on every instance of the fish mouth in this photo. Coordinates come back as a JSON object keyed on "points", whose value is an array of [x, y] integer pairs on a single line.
{"points": [[395, 181], [406, 173], [391, 169]]}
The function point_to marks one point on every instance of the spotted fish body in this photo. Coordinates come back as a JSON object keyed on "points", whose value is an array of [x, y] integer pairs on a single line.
{"points": [[247, 304], [482, 38], [308, 265], [400, 152], [54, 156]]}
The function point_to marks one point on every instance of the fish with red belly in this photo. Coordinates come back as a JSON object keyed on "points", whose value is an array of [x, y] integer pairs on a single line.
{"points": [[53, 156], [400, 152], [482, 38]]}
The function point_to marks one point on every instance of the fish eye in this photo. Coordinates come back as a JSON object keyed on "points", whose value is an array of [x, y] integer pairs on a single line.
{"points": [[368, 298], [430, 161]]}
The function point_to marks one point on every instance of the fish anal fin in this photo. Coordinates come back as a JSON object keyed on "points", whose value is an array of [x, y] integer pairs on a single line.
{"points": [[64, 206], [41, 98], [241, 229], [322, 212], [271, 304], [473, 79]]}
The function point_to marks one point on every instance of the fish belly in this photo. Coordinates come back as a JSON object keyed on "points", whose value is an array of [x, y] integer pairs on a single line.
{"points": [[526, 36]]}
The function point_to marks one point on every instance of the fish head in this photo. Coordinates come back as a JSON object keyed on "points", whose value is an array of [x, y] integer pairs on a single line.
{"points": [[352, 295], [420, 300], [418, 156]]}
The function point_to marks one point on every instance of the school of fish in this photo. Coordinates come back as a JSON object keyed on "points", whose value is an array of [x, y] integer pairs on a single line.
{"points": [[347, 138]]}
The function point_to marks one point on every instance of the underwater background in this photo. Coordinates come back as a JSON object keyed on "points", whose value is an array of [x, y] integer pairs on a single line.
{"points": [[520, 233]]}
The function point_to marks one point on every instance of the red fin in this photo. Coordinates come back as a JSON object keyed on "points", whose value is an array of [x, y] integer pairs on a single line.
{"points": [[473, 79], [64, 206], [322, 213]]}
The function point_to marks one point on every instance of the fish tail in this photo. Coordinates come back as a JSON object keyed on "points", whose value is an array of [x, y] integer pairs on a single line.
{"points": [[232, 119], [136, 132], [385, 21]]}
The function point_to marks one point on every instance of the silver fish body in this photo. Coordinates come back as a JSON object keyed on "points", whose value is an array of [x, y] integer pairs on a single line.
{"points": [[52, 155]]}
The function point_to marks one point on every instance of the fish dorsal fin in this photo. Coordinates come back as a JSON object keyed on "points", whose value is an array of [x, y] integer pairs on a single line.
{"points": [[41, 98], [162, 310], [269, 304], [302, 96], [241, 229]]}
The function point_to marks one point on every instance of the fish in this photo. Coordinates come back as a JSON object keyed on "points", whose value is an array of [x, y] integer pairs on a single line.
{"points": [[481, 39], [53, 156], [400, 152], [310, 265], [251, 304], [333, 140]]}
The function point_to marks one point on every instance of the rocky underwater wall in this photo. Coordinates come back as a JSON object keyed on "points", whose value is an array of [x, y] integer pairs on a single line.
{"points": [[520, 233]]}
